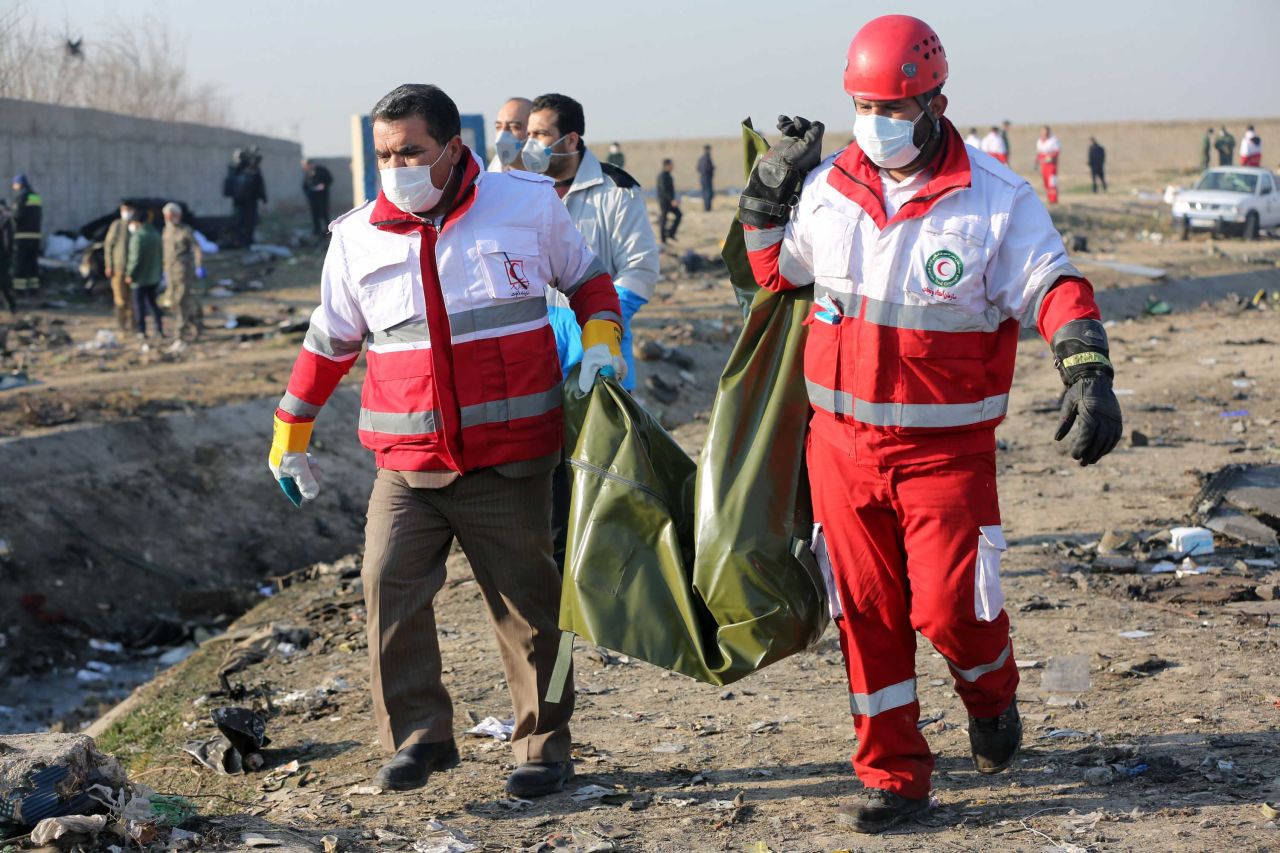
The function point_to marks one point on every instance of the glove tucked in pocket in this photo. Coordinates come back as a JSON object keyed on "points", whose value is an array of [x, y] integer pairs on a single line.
{"points": [[988, 597]]}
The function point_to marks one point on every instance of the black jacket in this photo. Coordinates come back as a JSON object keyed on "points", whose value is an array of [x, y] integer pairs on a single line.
{"points": [[317, 181], [1097, 156], [666, 187]]}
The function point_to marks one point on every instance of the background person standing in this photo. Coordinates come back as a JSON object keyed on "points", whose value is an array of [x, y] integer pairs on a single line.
{"points": [[183, 264], [668, 204], [706, 177], [616, 157], [1250, 148], [510, 129], [1206, 155], [1226, 146], [1097, 163], [28, 219], [993, 143], [143, 266], [1047, 151], [245, 187], [6, 256], [115, 253], [316, 181]]}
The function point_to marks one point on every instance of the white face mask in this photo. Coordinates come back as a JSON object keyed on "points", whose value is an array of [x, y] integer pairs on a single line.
{"points": [[889, 142], [410, 188], [507, 147], [537, 157]]}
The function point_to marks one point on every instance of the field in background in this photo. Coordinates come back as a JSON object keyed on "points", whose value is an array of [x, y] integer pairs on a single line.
{"points": [[1140, 155]]}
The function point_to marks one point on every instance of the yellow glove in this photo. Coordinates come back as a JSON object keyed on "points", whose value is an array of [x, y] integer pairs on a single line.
{"points": [[601, 353], [290, 462]]}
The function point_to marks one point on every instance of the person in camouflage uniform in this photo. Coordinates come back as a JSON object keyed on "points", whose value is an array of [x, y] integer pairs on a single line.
{"points": [[183, 264]]}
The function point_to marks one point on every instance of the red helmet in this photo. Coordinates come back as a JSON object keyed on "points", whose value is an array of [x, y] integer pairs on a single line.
{"points": [[892, 57]]}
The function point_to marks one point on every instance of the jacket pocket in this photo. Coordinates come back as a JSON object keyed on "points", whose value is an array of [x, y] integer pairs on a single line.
{"points": [[510, 262], [988, 597], [386, 289]]}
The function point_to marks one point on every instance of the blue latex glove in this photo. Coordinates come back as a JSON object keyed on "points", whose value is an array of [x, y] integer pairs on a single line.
{"points": [[631, 302], [199, 272]]}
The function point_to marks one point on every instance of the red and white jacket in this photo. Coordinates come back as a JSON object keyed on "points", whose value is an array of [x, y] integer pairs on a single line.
{"points": [[462, 364], [910, 350]]}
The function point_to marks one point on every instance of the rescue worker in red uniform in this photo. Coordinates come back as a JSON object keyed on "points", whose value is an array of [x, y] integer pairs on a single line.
{"points": [[927, 259], [1047, 151]]}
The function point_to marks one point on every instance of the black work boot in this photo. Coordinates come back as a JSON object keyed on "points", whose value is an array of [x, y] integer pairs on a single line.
{"points": [[537, 778], [412, 765], [995, 740], [876, 809]]}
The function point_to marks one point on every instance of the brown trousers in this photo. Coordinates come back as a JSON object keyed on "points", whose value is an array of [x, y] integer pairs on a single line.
{"points": [[504, 527], [123, 301]]}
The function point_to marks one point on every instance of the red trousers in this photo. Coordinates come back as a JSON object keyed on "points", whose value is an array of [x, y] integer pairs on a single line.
{"points": [[1049, 172], [1251, 160], [912, 548]]}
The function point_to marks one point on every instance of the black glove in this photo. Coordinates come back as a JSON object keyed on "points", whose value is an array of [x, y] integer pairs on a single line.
{"points": [[1101, 425], [1081, 354], [775, 181]]}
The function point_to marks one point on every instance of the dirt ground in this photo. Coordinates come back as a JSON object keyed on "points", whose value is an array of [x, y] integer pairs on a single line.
{"points": [[1171, 746]]}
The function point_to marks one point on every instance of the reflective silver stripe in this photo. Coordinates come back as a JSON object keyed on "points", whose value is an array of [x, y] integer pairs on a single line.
{"points": [[791, 268], [298, 408], [319, 342], [512, 408], [928, 415], [595, 268], [763, 238], [1031, 318], [498, 316], [607, 315], [886, 699], [821, 397], [408, 332], [398, 423], [972, 675], [921, 318]]}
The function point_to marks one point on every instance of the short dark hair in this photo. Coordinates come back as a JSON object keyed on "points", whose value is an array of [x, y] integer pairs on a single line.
{"points": [[421, 99], [668, 162], [568, 112]]}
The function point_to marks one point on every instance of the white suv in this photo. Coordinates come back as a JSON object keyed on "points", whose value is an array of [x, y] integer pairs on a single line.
{"points": [[1230, 199]]}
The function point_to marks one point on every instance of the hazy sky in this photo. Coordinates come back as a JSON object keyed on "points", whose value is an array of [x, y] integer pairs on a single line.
{"points": [[680, 68]]}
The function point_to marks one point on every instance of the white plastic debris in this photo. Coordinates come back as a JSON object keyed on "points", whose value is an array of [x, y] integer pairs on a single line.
{"points": [[107, 646], [52, 828], [176, 655], [494, 728], [1136, 635], [88, 676], [1191, 541], [590, 792]]}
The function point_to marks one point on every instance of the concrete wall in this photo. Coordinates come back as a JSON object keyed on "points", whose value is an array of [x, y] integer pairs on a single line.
{"points": [[82, 162]]}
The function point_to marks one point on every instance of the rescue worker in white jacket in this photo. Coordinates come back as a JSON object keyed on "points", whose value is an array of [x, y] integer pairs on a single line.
{"points": [[603, 201], [927, 259]]}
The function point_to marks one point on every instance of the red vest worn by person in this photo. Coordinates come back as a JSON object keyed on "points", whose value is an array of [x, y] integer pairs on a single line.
{"points": [[910, 352], [462, 365]]}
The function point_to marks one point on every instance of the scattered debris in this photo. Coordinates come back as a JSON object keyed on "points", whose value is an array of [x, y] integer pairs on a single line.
{"points": [[49, 775], [494, 728], [238, 746], [60, 828], [1242, 502], [1136, 634]]}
